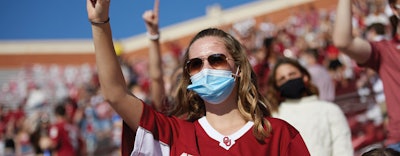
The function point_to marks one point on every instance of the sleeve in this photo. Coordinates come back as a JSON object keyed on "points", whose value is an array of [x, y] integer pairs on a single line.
{"points": [[162, 127], [155, 134], [291, 143], [375, 57], [297, 147], [127, 140], [340, 132]]}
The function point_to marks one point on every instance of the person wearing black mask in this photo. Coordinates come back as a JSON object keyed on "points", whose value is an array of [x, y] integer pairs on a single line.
{"points": [[294, 99]]}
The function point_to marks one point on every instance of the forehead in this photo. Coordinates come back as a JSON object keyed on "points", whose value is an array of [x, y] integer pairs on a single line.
{"points": [[206, 46], [286, 69]]}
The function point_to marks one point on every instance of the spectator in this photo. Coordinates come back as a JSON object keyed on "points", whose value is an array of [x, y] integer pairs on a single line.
{"points": [[376, 32], [64, 137], [234, 98], [322, 124], [270, 53], [382, 56], [319, 74]]}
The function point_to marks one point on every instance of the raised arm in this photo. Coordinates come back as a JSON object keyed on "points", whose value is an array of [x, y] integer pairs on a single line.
{"points": [[112, 82], [343, 38], [157, 90]]}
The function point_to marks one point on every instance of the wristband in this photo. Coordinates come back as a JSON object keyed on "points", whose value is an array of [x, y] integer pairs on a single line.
{"points": [[153, 37], [98, 23]]}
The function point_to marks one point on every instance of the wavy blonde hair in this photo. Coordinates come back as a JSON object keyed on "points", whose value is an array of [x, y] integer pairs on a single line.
{"points": [[252, 105]]}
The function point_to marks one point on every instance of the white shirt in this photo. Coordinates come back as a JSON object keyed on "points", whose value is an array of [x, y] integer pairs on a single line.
{"points": [[322, 125]]}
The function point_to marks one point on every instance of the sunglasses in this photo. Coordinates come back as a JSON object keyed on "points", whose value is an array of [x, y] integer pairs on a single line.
{"points": [[216, 61]]}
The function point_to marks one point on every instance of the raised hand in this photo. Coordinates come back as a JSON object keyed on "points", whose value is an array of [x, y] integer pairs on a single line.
{"points": [[98, 10], [150, 18], [113, 85]]}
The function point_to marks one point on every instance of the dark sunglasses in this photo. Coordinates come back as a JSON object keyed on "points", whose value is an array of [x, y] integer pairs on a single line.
{"points": [[217, 61]]}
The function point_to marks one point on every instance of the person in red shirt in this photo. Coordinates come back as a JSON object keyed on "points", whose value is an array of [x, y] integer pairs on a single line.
{"points": [[224, 113], [271, 52], [63, 135], [382, 56]]}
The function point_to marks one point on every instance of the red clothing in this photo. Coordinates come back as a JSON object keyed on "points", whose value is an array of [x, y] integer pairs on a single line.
{"points": [[332, 52], [127, 140], [162, 135], [66, 137], [262, 71], [384, 59], [128, 135]]}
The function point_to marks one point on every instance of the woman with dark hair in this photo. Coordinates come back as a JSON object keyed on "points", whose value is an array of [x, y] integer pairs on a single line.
{"points": [[295, 100]]}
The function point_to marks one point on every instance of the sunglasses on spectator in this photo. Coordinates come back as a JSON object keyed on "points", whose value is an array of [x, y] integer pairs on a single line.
{"points": [[216, 61]]}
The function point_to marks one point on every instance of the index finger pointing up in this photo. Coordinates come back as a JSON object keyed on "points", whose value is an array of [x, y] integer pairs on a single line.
{"points": [[156, 5]]}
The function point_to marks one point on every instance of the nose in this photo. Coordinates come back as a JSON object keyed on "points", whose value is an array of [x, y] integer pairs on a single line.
{"points": [[283, 80], [206, 64]]}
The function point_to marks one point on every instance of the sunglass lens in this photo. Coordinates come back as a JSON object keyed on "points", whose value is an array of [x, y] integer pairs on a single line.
{"points": [[194, 66], [217, 61]]}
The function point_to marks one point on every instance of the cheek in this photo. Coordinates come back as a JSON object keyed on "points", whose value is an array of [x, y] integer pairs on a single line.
{"points": [[280, 83]]}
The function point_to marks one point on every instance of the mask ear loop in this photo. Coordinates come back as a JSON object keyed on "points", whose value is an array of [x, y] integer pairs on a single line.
{"points": [[237, 73]]}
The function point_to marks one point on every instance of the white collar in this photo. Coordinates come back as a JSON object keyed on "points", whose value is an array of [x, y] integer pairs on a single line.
{"points": [[224, 141]]}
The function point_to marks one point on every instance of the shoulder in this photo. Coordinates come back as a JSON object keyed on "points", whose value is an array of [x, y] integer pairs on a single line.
{"points": [[277, 122], [153, 119], [286, 137], [384, 45], [282, 127], [329, 106]]}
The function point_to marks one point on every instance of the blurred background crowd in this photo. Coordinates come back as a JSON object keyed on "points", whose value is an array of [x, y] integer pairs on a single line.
{"points": [[29, 100]]}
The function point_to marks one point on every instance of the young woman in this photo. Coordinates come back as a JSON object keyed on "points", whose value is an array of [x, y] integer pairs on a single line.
{"points": [[295, 100], [224, 112]]}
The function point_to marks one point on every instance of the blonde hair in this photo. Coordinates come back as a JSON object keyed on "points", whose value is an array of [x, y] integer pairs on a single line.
{"points": [[252, 105]]}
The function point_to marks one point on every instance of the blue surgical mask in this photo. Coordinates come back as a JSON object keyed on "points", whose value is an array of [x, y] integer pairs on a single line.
{"points": [[212, 85]]}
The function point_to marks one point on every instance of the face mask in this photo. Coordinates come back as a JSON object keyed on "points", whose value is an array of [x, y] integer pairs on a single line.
{"points": [[293, 89], [213, 86]]}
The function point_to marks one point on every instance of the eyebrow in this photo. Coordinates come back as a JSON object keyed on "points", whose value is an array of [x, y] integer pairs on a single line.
{"points": [[280, 78], [291, 73]]}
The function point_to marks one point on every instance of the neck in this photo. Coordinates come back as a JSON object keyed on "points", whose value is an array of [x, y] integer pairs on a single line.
{"points": [[225, 117], [228, 123]]}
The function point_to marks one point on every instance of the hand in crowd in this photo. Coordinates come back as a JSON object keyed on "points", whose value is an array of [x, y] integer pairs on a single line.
{"points": [[150, 18], [98, 10]]}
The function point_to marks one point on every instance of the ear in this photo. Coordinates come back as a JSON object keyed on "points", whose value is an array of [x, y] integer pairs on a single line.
{"points": [[306, 79]]}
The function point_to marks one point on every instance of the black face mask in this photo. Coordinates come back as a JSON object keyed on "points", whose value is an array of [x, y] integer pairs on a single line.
{"points": [[293, 89]]}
